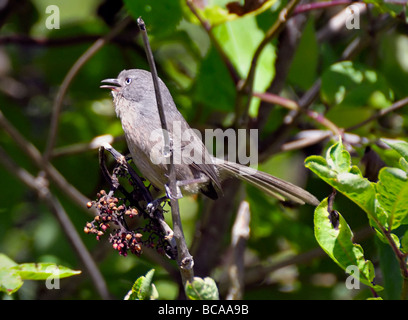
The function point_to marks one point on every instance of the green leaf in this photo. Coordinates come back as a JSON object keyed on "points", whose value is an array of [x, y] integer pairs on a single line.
{"points": [[146, 288], [392, 8], [337, 243], [303, 68], [404, 242], [350, 88], [392, 194], [349, 84], [155, 13], [143, 288], [403, 164], [10, 280], [213, 78], [398, 145], [390, 269], [12, 275], [336, 170], [202, 289], [44, 271], [6, 262], [240, 39], [338, 159], [216, 12]]}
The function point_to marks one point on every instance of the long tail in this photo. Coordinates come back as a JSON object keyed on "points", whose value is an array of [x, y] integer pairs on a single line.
{"points": [[273, 186]]}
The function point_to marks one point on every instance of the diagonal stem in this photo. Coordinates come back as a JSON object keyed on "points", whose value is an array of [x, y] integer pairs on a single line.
{"points": [[244, 95], [184, 259], [40, 187]]}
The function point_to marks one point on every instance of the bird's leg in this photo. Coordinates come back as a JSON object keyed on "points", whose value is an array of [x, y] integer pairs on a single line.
{"points": [[170, 195], [152, 206], [202, 180]]}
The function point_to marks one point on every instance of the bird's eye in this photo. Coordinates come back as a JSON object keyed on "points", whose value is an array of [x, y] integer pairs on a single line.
{"points": [[128, 80]]}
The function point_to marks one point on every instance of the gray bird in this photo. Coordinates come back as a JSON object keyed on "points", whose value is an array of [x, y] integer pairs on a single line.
{"points": [[196, 171]]}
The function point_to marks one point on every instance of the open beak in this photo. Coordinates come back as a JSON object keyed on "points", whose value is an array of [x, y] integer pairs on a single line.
{"points": [[112, 84]]}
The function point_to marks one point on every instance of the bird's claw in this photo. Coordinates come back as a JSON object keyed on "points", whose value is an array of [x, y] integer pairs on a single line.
{"points": [[172, 196]]}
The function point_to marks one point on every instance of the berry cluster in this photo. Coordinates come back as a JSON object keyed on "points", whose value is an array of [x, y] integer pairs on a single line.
{"points": [[114, 212], [124, 241], [109, 211]]}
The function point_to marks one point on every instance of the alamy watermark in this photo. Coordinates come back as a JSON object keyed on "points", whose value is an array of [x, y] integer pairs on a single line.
{"points": [[353, 17], [53, 20], [352, 280], [240, 146], [53, 280], [352, 20]]}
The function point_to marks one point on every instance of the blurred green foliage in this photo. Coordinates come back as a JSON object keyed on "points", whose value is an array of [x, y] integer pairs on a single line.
{"points": [[283, 259]]}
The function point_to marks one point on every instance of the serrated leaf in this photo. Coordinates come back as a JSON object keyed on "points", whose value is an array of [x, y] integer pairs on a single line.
{"points": [[337, 243], [403, 164], [392, 194], [202, 289], [338, 159], [398, 145], [396, 240], [333, 170], [143, 288]]}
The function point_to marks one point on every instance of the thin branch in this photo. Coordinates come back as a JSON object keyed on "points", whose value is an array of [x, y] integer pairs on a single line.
{"points": [[285, 55], [153, 70], [320, 5], [209, 242], [288, 42], [184, 259], [240, 235], [24, 40], [401, 261], [242, 106], [31, 41], [207, 27], [395, 106], [35, 156], [336, 25], [272, 144], [39, 185], [292, 105], [307, 140], [57, 106], [81, 147]]}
